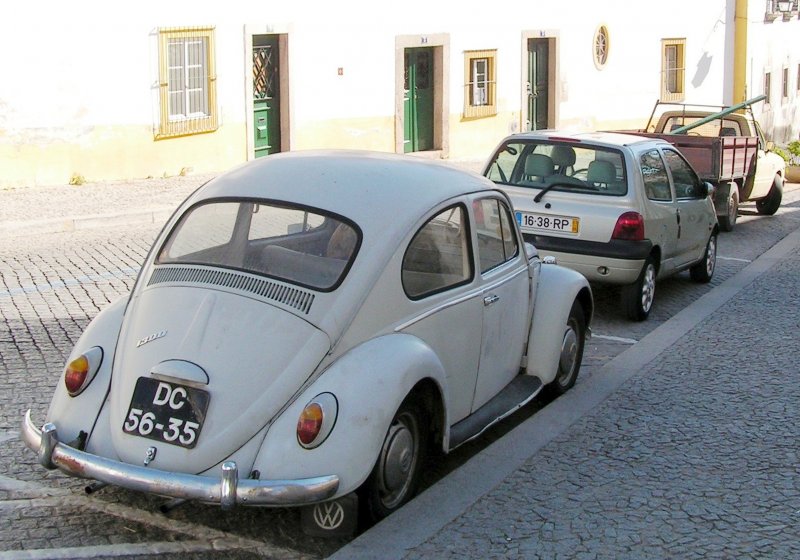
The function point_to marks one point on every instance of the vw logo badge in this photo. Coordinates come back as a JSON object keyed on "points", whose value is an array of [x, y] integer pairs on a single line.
{"points": [[329, 515]]}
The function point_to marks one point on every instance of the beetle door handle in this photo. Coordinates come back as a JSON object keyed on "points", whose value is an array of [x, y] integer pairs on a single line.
{"points": [[489, 300]]}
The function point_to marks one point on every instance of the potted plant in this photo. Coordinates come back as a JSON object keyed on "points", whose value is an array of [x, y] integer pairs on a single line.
{"points": [[792, 157]]}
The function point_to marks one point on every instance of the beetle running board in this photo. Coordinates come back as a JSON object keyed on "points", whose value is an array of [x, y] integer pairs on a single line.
{"points": [[514, 396]]}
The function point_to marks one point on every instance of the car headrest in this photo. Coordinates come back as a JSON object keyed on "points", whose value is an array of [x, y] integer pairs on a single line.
{"points": [[727, 131], [563, 156], [539, 165], [601, 172]]}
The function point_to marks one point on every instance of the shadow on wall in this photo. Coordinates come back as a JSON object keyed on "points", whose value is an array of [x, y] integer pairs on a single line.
{"points": [[703, 66]]}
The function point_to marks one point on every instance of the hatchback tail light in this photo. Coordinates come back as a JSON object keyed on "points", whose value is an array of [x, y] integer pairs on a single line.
{"points": [[629, 227], [80, 371]]}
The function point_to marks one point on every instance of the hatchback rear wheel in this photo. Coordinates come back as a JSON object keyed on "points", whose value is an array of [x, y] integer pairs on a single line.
{"points": [[704, 269], [637, 298]]}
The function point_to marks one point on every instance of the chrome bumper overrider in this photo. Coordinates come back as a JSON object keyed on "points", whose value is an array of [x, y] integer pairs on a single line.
{"points": [[228, 490]]}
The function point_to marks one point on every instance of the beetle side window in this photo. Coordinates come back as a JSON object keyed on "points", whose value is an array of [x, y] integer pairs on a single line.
{"points": [[654, 174], [497, 242], [687, 185], [438, 256]]}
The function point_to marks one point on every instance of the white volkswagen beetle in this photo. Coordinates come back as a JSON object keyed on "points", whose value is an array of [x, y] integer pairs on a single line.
{"points": [[305, 327]]}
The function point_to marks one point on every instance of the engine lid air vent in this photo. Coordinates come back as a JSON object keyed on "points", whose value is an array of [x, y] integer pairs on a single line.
{"points": [[272, 290]]}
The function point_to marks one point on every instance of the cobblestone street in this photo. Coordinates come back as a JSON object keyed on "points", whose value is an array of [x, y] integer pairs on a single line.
{"points": [[692, 455]]}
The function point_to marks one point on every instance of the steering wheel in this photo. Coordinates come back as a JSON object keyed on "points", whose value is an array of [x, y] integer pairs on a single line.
{"points": [[584, 170]]}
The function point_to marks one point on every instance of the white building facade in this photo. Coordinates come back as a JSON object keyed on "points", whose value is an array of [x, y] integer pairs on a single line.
{"points": [[98, 91]]}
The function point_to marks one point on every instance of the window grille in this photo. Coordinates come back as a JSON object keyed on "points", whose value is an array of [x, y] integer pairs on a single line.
{"points": [[187, 81], [673, 69], [480, 98], [601, 46]]}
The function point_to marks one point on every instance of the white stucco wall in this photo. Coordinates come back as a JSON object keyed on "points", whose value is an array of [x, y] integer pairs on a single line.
{"points": [[79, 87]]}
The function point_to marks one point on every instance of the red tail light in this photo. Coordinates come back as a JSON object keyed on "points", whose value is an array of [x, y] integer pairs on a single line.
{"points": [[75, 375], [630, 227], [81, 371], [310, 423], [317, 420]]}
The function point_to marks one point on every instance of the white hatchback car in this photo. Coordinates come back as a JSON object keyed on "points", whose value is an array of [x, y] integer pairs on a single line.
{"points": [[621, 209], [304, 327]]}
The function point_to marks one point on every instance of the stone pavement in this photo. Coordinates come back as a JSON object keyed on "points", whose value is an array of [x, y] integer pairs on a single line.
{"points": [[684, 445], [687, 445]]}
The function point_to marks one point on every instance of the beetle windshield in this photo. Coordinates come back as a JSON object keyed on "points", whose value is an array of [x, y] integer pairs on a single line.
{"points": [[558, 166], [294, 244]]}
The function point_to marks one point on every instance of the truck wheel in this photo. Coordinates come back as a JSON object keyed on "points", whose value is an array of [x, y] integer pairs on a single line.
{"points": [[770, 203], [704, 269], [637, 298], [395, 476], [727, 221], [569, 364]]}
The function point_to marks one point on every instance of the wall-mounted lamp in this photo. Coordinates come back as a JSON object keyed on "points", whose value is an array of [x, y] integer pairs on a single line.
{"points": [[784, 5]]}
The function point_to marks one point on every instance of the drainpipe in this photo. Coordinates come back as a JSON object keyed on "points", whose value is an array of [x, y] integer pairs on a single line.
{"points": [[740, 52]]}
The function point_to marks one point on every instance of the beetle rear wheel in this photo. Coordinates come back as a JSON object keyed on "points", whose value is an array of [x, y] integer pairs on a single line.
{"points": [[395, 476]]}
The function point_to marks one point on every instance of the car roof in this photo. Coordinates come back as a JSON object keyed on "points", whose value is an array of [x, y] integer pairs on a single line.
{"points": [[370, 188], [597, 138]]}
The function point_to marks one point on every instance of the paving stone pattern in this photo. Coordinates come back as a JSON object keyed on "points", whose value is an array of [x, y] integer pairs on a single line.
{"points": [[633, 471], [696, 457]]}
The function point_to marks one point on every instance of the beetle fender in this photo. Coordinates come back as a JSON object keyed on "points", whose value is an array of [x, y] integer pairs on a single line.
{"points": [[369, 383], [557, 290], [73, 414]]}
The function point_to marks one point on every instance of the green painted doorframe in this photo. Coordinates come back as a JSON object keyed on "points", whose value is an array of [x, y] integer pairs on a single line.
{"points": [[418, 98], [266, 95]]}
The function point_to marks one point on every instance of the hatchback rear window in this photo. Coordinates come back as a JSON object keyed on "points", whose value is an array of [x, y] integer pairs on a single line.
{"points": [[559, 166], [298, 245]]}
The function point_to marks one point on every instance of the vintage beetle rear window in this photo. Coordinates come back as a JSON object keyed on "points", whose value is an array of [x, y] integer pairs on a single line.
{"points": [[557, 166], [298, 245]]}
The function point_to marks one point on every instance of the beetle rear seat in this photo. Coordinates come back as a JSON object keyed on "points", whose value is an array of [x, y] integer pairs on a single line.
{"points": [[301, 267]]}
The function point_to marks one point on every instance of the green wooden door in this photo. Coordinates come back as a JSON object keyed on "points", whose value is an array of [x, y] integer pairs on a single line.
{"points": [[418, 100], [266, 96], [538, 83]]}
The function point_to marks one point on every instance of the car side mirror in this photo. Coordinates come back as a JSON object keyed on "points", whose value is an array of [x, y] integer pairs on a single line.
{"points": [[710, 188], [770, 146]]}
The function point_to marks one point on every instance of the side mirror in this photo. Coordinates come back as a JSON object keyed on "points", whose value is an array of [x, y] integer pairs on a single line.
{"points": [[770, 146], [710, 188]]}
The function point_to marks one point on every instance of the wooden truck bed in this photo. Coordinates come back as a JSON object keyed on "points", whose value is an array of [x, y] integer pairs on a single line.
{"points": [[716, 159]]}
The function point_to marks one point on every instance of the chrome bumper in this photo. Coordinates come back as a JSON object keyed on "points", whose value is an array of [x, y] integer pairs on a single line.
{"points": [[228, 490]]}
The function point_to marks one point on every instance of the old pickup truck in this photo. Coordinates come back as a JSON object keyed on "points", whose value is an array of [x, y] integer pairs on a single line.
{"points": [[727, 148]]}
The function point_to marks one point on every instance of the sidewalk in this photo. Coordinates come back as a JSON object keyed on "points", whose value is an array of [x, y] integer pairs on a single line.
{"points": [[684, 446], [65, 208]]}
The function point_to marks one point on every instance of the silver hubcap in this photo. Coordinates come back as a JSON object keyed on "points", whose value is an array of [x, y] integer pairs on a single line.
{"points": [[569, 354], [398, 460], [648, 287], [711, 255]]}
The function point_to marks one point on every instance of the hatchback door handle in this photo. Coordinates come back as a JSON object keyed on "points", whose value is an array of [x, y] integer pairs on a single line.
{"points": [[489, 300]]}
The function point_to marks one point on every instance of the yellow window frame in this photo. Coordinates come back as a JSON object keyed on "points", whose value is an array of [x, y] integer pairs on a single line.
{"points": [[489, 107], [172, 125], [673, 69]]}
